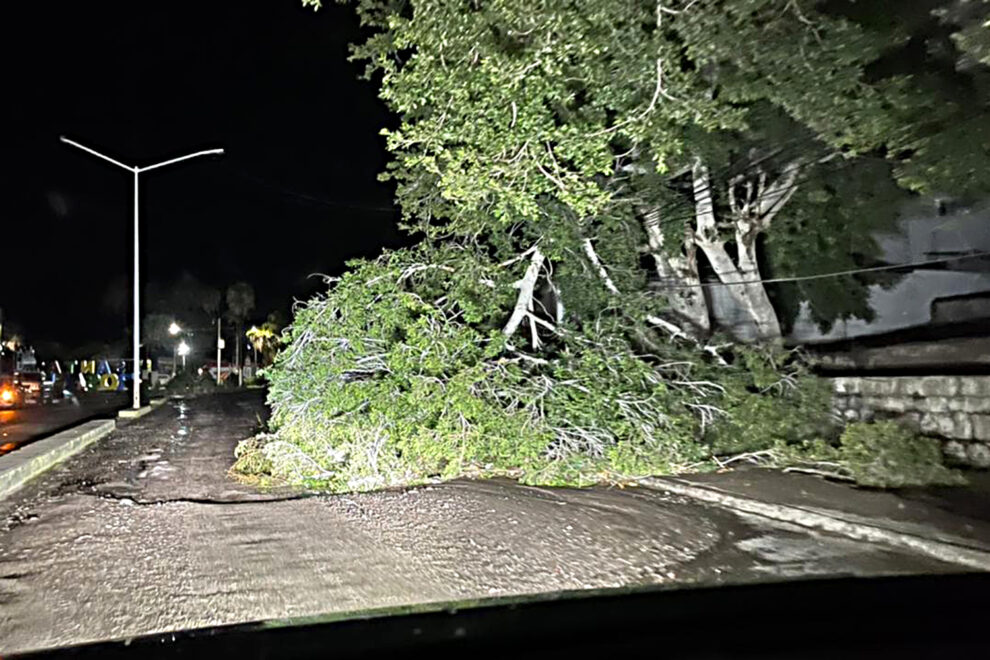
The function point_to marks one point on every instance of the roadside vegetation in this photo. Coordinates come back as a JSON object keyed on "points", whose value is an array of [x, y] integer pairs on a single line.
{"points": [[576, 171]]}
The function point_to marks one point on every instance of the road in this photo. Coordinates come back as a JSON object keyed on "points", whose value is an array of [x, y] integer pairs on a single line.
{"points": [[22, 425], [144, 532]]}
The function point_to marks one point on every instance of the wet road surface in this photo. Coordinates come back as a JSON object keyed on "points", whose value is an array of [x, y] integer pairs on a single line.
{"points": [[20, 426], [144, 532]]}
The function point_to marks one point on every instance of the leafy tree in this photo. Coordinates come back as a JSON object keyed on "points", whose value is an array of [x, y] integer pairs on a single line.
{"points": [[186, 299], [154, 332], [544, 148], [524, 113]]}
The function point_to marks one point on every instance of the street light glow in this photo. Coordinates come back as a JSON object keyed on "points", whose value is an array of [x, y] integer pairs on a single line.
{"points": [[184, 349], [174, 329]]}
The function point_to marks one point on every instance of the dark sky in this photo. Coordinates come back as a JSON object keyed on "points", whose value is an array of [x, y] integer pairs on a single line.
{"points": [[145, 81]]}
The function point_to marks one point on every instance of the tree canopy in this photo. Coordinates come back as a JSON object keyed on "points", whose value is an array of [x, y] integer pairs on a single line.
{"points": [[580, 173]]}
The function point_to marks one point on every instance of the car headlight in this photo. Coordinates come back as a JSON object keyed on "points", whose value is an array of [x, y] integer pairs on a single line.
{"points": [[7, 395]]}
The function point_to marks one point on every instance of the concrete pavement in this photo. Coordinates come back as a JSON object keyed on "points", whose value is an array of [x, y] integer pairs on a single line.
{"points": [[143, 532]]}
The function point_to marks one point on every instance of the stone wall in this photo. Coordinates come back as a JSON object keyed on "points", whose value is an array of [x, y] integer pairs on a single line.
{"points": [[953, 408]]}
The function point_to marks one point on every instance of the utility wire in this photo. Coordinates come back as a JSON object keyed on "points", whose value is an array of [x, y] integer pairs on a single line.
{"points": [[838, 273]]}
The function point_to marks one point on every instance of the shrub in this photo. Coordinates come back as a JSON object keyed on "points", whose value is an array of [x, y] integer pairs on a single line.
{"points": [[191, 383], [888, 455]]}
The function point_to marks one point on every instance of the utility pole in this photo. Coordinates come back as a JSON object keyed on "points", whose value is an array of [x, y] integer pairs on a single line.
{"points": [[136, 354], [219, 346]]}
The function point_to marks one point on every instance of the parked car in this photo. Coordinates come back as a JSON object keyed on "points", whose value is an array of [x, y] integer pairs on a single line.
{"points": [[35, 388], [30, 385]]}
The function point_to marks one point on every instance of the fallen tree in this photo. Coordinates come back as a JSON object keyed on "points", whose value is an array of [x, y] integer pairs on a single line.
{"points": [[544, 153], [408, 370]]}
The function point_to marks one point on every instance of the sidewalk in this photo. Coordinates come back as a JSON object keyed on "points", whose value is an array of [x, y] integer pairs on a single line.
{"points": [[951, 524]]}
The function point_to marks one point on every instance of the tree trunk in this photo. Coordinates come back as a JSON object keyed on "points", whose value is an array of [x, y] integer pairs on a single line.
{"points": [[679, 278], [751, 298], [763, 312]]}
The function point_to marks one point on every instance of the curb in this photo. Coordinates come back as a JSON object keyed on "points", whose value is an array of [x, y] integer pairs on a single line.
{"points": [[133, 413], [19, 467], [831, 521]]}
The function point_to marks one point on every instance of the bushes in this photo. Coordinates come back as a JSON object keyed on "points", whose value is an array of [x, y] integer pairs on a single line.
{"points": [[888, 455]]}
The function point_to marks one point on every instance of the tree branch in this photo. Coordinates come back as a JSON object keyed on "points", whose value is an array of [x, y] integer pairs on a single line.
{"points": [[674, 330], [704, 211], [773, 197], [525, 299], [589, 250]]}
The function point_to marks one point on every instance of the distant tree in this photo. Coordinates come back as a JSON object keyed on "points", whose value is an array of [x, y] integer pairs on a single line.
{"points": [[155, 334], [117, 296]]}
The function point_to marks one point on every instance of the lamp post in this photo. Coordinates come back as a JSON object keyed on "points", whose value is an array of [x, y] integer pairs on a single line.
{"points": [[219, 348], [183, 351], [137, 288], [173, 330]]}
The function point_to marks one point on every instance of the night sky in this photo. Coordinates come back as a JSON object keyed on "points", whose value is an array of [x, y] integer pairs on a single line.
{"points": [[268, 81]]}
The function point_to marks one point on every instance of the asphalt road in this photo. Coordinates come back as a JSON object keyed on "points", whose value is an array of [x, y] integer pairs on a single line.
{"points": [[144, 532], [20, 426]]}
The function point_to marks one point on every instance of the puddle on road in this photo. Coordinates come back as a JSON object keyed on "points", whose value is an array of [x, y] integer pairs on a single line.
{"points": [[785, 548]]}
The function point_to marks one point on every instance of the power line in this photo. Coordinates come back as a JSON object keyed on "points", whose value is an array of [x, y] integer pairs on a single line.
{"points": [[838, 273], [313, 199]]}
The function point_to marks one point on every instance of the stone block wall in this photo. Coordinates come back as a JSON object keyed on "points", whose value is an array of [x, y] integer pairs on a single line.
{"points": [[953, 408]]}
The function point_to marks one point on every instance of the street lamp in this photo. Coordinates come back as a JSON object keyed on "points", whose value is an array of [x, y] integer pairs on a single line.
{"points": [[183, 351], [137, 299], [173, 330]]}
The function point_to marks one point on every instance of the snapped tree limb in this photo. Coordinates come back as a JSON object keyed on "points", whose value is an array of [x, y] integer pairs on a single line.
{"points": [[526, 286], [589, 250]]}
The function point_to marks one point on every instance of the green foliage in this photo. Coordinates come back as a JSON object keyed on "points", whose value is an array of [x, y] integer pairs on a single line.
{"points": [[545, 126], [385, 382], [888, 455], [399, 375], [250, 459], [852, 200], [971, 22], [515, 116], [772, 401]]}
